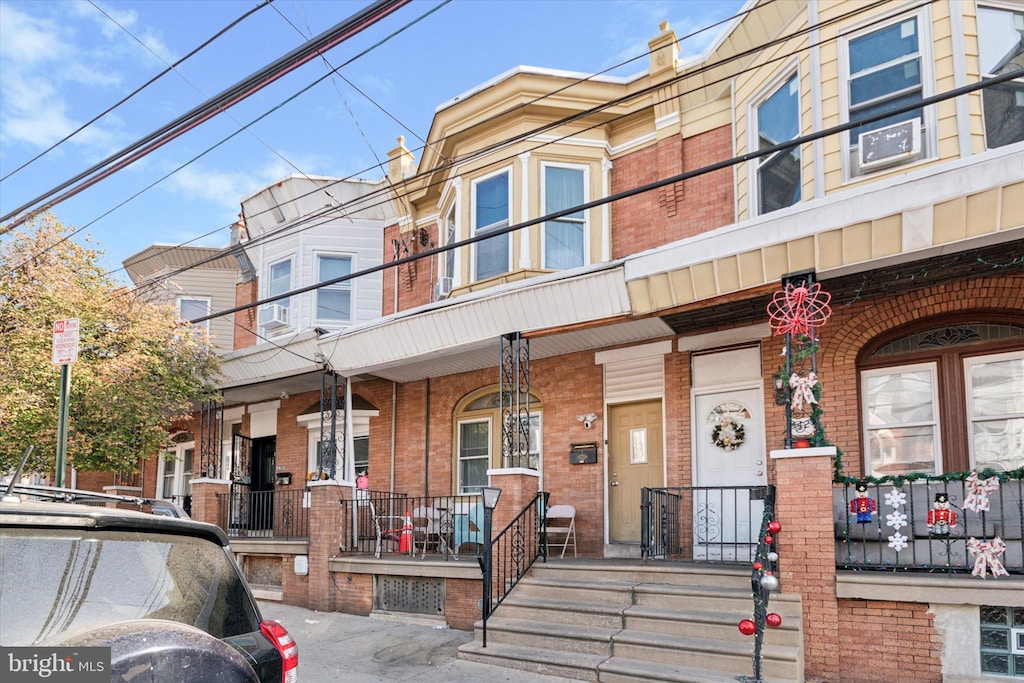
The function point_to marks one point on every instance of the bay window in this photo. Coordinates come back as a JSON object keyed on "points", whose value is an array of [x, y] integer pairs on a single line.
{"points": [[280, 281], [334, 302], [564, 237], [778, 175], [1000, 50], [491, 212]]}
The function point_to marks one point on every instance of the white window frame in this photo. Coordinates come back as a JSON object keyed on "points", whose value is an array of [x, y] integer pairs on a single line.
{"points": [[311, 421], [181, 479], [460, 488], [929, 139], [754, 143], [449, 235], [585, 221], [346, 286], [205, 324], [284, 303], [1015, 8], [968, 364], [507, 172], [935, 423]]}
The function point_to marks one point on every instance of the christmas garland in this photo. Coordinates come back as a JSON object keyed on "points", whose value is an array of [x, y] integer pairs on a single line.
{"points": [[728, 434]]}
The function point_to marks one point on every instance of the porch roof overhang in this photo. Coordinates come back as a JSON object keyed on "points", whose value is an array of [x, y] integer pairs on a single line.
{"points": [[267, 371], [934, 212], [562, 312]]}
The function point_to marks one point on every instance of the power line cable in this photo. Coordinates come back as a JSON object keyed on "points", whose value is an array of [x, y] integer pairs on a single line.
{"points": [[142, 87], [227, 98], [680, 177]]}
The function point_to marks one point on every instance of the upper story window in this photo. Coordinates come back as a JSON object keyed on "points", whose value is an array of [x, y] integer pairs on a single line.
{"points": [[194, 307], [885, 69], [1001, 49], [449, 234], [945, 399], [778, 175], [334, 302], [491, 212], [280, 281], [565, 237]]}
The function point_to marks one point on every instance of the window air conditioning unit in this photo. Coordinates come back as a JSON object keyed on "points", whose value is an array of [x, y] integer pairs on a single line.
{"points": [[273, 316], [889, 145], [443, 288]]}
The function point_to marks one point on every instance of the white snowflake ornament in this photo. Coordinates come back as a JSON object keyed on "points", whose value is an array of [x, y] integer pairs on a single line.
{"points": [[897, 520], [895, 498], [897, 541]]}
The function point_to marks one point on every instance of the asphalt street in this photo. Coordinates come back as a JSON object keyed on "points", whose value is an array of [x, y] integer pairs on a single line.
{"points": [[343, 647]]}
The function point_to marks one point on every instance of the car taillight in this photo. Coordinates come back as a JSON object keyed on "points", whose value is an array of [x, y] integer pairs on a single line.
{"points": [[285, 644]]}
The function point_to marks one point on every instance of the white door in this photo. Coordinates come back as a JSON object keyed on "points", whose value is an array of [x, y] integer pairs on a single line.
{"points": [[727, 515]]}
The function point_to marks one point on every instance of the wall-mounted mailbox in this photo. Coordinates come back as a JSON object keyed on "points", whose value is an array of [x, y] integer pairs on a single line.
{"points": [[284, 478], [583, 453]]}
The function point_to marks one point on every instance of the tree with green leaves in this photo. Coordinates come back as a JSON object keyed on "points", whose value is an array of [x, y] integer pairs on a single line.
{"points": [[140, 366]]}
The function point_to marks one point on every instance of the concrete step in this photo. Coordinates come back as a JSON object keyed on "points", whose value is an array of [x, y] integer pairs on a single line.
{"points": [[518, 606], [632, 571], [710, 599], [574, 665], [705, 653], [596, 592], [719, 625], [617, 670], [595, 640]]}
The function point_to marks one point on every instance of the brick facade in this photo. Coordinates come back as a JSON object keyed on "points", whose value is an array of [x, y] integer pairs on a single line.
{"points": [[245, 320], [887, 641]]}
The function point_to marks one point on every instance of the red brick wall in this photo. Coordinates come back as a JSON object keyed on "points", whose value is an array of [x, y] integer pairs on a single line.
{"points": [[354, 593], [295, 588], [90, 481], [245, 320], [416, 279], [888, 641], [852, 327], [461, 598], [703, 203]]}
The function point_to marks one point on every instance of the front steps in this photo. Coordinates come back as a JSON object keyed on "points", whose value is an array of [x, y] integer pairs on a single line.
{"points": [[618, 621]]}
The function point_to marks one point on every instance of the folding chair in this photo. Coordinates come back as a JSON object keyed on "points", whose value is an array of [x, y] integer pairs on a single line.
{"points": [[426, 525], [560, 522]]}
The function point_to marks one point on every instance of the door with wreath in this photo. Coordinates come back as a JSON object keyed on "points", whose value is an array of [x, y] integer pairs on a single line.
{"points": [[729, 458]]}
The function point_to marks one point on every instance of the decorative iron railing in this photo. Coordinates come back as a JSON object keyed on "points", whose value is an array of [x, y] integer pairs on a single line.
{"points": [[281, 514], [506, 559], [931, 524], [701, 523]]}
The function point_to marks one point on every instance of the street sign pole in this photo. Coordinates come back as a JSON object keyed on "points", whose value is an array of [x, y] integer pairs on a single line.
{"points": [[65, 352], [62, 425]]}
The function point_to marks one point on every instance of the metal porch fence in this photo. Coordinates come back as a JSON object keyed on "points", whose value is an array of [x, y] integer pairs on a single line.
{"points": [[931, 524], [701, 523], [281, 514]]}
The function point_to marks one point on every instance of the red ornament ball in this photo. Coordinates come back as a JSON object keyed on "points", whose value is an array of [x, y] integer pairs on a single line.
{"points": [[758, 565], [801, 443], [768, 538], [774, 527], [773, 620], [747, 627]]}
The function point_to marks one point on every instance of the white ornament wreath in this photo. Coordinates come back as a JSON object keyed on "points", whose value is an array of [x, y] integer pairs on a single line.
{"points": [[728, 434]]}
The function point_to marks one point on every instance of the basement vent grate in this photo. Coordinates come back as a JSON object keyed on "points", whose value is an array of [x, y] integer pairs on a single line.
{"points": [[411, 594]]}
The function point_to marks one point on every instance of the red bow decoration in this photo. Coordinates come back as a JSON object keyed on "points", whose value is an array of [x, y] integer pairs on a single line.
{"points": [[799, 310]]}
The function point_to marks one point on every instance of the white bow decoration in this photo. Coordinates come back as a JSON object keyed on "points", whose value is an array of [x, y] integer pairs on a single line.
{"points": [[978, 490], [986, 557], [803, 390]]}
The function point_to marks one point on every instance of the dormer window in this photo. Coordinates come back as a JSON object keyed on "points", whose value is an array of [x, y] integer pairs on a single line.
{"points": [[565, 237], [490, 213]]}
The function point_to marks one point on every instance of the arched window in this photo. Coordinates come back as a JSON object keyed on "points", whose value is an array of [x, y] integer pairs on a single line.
{"points": [[478, 438], [944, 398]]}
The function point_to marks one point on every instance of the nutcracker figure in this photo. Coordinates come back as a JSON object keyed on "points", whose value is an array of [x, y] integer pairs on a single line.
{"points": [[940, 517], [863, 505]]}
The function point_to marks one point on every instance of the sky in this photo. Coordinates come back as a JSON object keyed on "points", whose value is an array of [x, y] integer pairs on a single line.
{"points": [[62, 62]]}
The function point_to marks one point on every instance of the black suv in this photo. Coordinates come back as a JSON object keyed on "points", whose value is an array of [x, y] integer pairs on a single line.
{"points": [[163, 593]]}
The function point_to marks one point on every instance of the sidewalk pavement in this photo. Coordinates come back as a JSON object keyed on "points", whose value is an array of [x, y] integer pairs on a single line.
{"points": [[342, 647]]}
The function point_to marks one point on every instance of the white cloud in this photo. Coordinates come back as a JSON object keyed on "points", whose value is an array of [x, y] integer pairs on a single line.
{"points": [[25, 39]]}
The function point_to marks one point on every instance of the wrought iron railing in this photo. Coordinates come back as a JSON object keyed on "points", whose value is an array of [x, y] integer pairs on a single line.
{"points": [[382, 523], [931, 524], [701, 523], [506, 559], [282, 514]]}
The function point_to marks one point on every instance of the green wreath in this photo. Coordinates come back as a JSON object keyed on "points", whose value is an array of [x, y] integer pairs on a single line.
{"points": [[728, 434]]}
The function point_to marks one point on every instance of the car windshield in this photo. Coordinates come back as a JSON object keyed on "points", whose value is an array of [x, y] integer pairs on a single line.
{"points": [[59, 581]]}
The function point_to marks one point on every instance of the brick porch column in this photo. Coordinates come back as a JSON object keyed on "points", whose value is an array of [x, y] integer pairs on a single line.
{"points": [[324, 535], [806, 545], [205, 502], [518, 488]]}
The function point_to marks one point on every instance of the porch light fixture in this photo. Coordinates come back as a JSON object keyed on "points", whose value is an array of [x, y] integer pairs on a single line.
{"points": [[780, 390], [490, 496]]}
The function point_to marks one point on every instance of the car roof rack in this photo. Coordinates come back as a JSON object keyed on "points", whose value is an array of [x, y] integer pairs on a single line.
{"points": [[69, 495]]}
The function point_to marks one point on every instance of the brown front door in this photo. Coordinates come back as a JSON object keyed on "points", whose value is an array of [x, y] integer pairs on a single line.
{"points": [[635, 460]]}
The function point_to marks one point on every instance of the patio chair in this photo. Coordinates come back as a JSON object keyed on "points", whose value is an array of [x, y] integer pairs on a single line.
{"points": [[426, 525], [560, 522], [469, 528]]}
